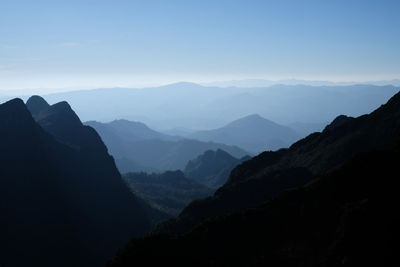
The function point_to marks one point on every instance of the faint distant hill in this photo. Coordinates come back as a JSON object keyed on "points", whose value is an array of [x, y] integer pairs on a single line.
{"points": [[194, 106], [129, 130], [139, 148], [212, 168], [253, 133]]}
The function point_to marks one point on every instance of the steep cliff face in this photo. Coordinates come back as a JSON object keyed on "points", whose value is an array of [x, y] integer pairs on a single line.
{"points": [[62, 199]]}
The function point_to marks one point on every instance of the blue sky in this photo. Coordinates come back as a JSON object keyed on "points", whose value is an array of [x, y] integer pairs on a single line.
{"points": [[127, 43]]}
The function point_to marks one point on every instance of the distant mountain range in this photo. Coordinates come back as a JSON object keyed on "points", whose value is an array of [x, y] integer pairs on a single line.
{"points": [[63, 202], [264, 83], [252, 133], [328, 200], [197, 107], [129, 142], [138, 148]]}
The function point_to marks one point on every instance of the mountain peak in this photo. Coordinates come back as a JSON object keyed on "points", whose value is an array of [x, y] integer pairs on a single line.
{"points": [[15, 103], [15, 110], [219, 152], [36, 104], [41, 110], [252, 118], [183, 84], [337, 122], [63, 111], [62, 106], [252, 132]]}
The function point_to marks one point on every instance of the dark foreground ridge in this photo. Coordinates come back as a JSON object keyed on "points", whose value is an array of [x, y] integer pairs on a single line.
{"points": [[344, 218], [63, 202]]}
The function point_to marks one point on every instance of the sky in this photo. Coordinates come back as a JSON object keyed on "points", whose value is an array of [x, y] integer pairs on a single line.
{"points": [[70, 44]]}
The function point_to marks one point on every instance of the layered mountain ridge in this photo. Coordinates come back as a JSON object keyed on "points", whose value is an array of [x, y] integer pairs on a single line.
{"points": [[271, 173], [139, 149]]}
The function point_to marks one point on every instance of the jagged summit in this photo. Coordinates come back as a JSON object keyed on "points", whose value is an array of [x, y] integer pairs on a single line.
{"points": [[61, 195], [13, 102], [13, 105], [15, 116], [37, 104], [337, 122], [41, 110], [61, 111], [61, 121]]}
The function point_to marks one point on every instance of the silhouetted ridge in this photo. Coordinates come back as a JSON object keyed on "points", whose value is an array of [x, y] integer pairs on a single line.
{"points": [[37, 104], [62, 113], [62, 200], [14, 109], [338, 121], [63, 123], [33, 213]]}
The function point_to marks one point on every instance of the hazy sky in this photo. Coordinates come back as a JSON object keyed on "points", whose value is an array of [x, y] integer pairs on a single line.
{"points": [[67, 43]]}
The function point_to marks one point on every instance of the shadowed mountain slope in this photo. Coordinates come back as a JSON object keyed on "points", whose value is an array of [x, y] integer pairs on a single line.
{"points": [[62, 199], [344, 218]]}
